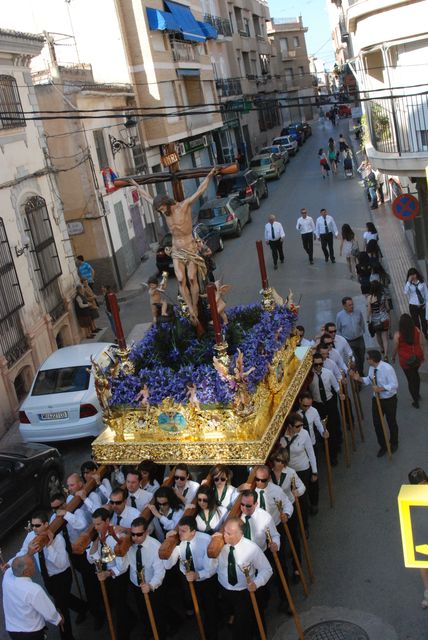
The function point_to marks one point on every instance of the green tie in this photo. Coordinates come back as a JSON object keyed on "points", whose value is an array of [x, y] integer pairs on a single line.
{"points": [[189, 557], [232, 578], [262, 501], [246, 528]]}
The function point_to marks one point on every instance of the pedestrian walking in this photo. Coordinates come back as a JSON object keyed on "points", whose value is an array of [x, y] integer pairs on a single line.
{"points": [[343, 146], [380, 180], [325, 167], [332, 155], [378, 316], [274, 237], [349, 249], [85, 270], [364, 271], [371, 233], [350, 324], [306, 227], [417, 294], [408, 344], [372, 188], [325, 228], [374, 253], [384, 381], [105, 290]]}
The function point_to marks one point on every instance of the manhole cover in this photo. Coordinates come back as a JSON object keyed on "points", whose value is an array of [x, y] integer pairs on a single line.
{"points": [[335, 630]]}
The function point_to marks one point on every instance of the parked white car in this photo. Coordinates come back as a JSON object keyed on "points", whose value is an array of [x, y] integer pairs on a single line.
{"points": [[288, 142], [62, 403]]}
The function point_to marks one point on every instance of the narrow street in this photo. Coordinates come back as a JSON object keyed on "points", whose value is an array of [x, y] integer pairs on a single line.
{"points": [[356, 547]]}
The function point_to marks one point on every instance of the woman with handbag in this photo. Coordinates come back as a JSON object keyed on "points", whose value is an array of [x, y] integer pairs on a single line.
{"points": [[349, 249], [408, 343], [378, 316]]}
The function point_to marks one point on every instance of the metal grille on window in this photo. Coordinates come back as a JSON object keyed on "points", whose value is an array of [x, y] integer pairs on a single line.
{"points": [[11, 113], [48, 266], [13, 343]]}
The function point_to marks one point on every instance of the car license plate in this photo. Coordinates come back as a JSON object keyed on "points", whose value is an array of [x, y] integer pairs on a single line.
{"points": [[56, 415]]}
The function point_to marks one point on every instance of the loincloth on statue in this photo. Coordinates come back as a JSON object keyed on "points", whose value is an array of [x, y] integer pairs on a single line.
{"points": [[186, 257]]}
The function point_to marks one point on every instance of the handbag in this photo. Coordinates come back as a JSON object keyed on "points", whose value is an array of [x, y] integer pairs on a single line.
{"points": [[372, 330], [412, 361], [355, 250]]}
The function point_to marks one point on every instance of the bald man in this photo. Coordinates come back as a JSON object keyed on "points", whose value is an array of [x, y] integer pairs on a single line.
{"points": [[274, 237], [26, 606]]}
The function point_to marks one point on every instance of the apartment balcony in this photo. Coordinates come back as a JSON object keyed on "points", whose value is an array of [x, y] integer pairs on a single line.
{"points": [[228, 87], [222, 25], [398, 129], [184, 51]]}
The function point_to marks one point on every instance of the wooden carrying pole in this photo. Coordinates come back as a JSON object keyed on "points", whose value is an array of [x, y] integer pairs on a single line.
{"points": [[197, 610], [303, 533], [344, 425], [256, 609], [382, 424], [106, 603], [149, 609], [349, 414], [296, 558], [357, 405], [329, 473], [285, 586]]}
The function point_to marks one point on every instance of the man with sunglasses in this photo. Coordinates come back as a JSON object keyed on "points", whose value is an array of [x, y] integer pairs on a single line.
{"points": [[184, 488], [197, 567], [340, 343], [123, 514], [167, 511], [53, 565], [329, 364], [333, 353], [137, 497], [256, 521]]}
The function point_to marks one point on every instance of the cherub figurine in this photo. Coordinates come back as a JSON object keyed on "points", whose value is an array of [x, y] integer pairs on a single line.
{"points": [[191, 395], [221, 290], [238, 382], [158, 304], [143, 395]]}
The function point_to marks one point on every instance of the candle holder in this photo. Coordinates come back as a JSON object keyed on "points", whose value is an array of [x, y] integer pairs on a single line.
{"points": [[221, 353], [125, 365], [268, 302]]}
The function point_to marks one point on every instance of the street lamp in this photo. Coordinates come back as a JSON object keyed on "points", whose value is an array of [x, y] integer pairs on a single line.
{"points": [[117, 144]]}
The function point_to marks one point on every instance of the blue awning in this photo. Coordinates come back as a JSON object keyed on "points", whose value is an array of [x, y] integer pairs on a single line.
{"points": [[188, 72], [186, 21], [161, 20], [208, 30]]}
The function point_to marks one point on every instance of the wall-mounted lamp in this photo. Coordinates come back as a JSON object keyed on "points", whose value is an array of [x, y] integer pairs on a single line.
{"points": [[19, 251], [117, 144]]}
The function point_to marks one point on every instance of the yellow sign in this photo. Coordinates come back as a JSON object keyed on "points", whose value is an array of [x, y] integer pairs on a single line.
{"points": [[412, 502]]}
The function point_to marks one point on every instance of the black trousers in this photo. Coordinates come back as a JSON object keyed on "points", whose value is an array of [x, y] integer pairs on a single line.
{"points": [[276, 248], [389, 408], [327, 245], [413, 382], [329, 410], [59, 587], [358, 346], [308, 244], [27, 635], [417, 311], [90, 583], [239, 602], [207, 594], [156, 600], [305, 477], [117, 590]]}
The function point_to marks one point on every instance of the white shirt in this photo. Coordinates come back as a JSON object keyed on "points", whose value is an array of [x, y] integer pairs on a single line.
{"points": [[189, 490], [329, 381], [304, 342], [341, 345], [26, 606], [314, 420], [332, 366], [278, 231], [246, 554], [118, 566], [385, 377], [276, 502], [320, 226], [305, 225], [56, 557], [334, 355], [287, 475], [229, 497], [301, 451], [166, 523], [126, 517], [214, 523], [104, 490], [87, 507], [368, 235], [204, 566], [142, 497], [77, 522], [152, 487], [410, 292], [259, 522], [154, 567]]}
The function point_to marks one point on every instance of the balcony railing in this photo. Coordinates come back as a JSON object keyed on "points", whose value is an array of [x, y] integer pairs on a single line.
{"points": [[399, 125], [228, 87], [222, 25], [184, 51]]}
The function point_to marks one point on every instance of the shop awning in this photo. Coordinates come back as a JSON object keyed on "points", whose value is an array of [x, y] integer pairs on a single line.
{"points": [[161, 20], [188, 72], [188, 24], [208, 30]]}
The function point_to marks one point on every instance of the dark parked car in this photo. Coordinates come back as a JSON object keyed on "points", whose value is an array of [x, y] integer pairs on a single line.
{"points": [[228, 215], [245, 185], [29, 475], [211, 237]]}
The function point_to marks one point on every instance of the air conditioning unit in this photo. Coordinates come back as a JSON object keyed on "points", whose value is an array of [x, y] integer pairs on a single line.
{"points": [[180, 148]]}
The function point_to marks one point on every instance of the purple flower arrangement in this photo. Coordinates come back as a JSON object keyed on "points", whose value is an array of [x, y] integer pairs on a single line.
{"points": [[170, 357]]}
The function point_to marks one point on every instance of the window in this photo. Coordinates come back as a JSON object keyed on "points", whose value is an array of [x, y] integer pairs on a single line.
{"points": [[256, 25], [238, 19], [296, 42], [100, 148], [264, 63], [231, 21], [247, 27], [301, 71], [247, 64], [66, 380], [283, 43], [11, 114], [43, 247], [424, 139]]}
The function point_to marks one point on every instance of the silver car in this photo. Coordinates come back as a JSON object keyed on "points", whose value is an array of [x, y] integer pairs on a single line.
{"points": [[288, 142], [227, 215], [268, 166], [278, 150]]}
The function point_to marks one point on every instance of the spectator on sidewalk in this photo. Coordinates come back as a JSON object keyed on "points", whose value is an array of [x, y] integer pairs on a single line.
{"points": [[105, 290], [408, 344], [350, 324], [349, 249], [83, 311], [364, 270], [378, 316], [92, 299], [85, 270], [384, 381], [417, 294], [380, 180], [274, 237], [370, 234]]}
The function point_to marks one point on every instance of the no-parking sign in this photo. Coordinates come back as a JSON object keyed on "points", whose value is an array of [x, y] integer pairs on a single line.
{"points": [[405, 207]]}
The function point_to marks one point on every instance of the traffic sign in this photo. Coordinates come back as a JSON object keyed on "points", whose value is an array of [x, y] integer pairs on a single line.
{"points": [[405, 207]]}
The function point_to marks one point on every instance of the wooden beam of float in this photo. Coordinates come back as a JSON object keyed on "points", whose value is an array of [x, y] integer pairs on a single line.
{"points": [[203, 435]]}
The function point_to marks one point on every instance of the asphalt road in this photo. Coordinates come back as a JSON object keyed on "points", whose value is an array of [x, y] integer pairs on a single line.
{"points": [[356, 546]]}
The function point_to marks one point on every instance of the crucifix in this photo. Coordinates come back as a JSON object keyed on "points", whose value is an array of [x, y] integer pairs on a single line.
{"points": [[189, 265]]}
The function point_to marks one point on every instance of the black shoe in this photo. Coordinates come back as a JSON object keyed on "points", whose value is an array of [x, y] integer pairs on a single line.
{"points": [[326, 259], [81, 617], [381, 452], [275, 266], [282, 261], [415, 404], [311, 262], [333, 260], [394, 448]]}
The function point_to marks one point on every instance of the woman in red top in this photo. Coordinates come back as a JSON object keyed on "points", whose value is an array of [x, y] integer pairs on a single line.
{"points": [[408, 344]]}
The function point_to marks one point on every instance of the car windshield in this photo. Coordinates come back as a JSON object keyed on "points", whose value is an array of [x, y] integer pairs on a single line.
{"points": [[270, 150], [66, 380], [260, 162], [228, 186], [216, 212]]}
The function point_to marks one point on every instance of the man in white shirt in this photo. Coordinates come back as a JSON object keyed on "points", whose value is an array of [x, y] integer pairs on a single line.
{"points": [[274, 237], [238, 554], [303, 342], [197, 567], [26, 606], [306, 227], [325, 229], [384, 381], [137, 497], [122, 515], [184, 488], [256, 521], [333, 353], [327, 362], [340, 343]]}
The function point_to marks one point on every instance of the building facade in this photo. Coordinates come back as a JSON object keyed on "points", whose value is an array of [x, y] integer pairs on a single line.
{"points": [[36, 262]]}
